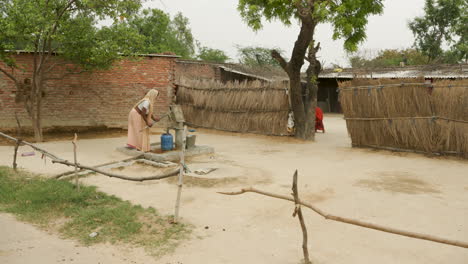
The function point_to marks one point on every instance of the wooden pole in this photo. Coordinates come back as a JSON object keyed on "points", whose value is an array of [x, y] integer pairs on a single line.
{"points": [[181, 174], [76, 163], [298, 212], [58, 176], [360, 223]]}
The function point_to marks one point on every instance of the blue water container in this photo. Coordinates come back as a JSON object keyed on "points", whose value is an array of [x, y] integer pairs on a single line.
{"points": [[167, 142]]}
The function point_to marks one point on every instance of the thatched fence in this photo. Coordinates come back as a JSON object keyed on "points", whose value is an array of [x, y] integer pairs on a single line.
{"points": [[248, 107], [407, 115]]}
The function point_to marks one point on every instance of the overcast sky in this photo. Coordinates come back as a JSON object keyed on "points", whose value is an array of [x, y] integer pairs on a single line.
{"points": [[217, 24]]}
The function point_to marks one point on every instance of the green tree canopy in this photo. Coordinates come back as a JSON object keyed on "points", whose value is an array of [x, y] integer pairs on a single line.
{"points": [[387, 58], [444, 23], [163, 34], [67, 29], [257, 56], [348, 19], [212, 55]]}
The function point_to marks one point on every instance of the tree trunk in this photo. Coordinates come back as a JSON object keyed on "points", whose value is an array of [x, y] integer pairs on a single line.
{"points": [[35, 106], [301, 99], [38, 124], [311, 90]]}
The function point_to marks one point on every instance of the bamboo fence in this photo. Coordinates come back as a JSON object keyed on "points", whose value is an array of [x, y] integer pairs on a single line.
{"points": [[407, 115], [247, 107]]}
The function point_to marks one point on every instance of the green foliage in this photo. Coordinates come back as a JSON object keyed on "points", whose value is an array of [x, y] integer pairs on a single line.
{"points": [[257, 56], [348, 17], [185, 43], [444, 22], [212, 55], [388, 58], [48, 202], [161, 34], [68, 28]]}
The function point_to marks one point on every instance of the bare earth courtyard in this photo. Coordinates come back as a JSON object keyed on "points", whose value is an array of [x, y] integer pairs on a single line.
{"points": [[405, 191]]}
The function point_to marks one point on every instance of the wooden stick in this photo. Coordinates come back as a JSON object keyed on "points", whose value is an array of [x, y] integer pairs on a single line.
{"points": [[43, 151], [181, 175], [76, 167], [58, 176], [356, 222], [123, 177], [56, 159], [298, 212], [18, 143]]}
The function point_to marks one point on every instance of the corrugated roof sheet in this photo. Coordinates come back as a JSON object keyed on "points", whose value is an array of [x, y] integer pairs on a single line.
{"points": [[276, 73], [430, 71]]}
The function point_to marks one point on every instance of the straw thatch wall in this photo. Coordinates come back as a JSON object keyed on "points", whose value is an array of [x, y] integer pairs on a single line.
{"points": [[407, 114], [252, 107]]}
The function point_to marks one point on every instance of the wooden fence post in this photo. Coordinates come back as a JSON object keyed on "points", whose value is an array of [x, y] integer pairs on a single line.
{"points": [[298, 212], [181, 174]]}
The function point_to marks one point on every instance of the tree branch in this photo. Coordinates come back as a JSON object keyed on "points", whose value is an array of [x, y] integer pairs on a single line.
{"points": [[277, 56], [9, 75], [355, 222]]}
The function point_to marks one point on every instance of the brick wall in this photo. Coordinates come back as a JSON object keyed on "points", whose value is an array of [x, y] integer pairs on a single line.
{"points": [[196, 70], [101, 98]]}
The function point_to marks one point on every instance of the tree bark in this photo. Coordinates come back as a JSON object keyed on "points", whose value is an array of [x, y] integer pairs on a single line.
{"points": [[36, 100], [301, 99]]}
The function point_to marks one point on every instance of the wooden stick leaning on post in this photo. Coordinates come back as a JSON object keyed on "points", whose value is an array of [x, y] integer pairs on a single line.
{"points": [[56, 159], [43, 151], [181, 175], [123, 177], [350, 221], [298, 212], [58, 176]]}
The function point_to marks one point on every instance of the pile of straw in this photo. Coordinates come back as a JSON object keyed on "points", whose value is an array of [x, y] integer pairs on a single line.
{"points": [[407, 114], [253, 107]]}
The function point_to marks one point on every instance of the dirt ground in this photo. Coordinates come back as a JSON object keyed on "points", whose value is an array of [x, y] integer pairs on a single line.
{"points": [[406, 191]]}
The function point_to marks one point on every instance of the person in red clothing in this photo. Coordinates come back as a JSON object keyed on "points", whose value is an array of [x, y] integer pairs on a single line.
{"points": [[319, 120]]}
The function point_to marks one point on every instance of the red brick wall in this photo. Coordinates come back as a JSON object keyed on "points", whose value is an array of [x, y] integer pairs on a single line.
{"points": [[101, 98], [196, 70]]}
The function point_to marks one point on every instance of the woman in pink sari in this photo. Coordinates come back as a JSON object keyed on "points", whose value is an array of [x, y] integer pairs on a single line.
{"points": [[140, 119]]}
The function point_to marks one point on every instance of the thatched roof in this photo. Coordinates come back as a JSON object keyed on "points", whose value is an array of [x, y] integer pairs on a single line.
{"points": [[426, 71]]}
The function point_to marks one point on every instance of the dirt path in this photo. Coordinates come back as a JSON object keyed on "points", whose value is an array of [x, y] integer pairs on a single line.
{"points": [[406, 191], [23, 243]]}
